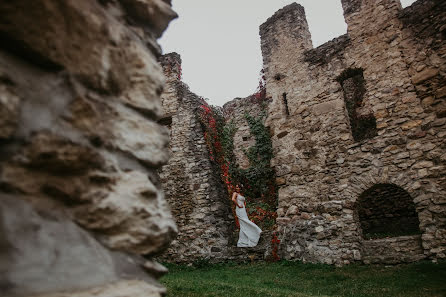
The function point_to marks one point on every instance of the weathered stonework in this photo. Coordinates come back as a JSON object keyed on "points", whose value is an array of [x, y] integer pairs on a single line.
{"points": [[360, 117], [235, 111], [395, 250], [192, 183], [80, 148], [322, 169]]}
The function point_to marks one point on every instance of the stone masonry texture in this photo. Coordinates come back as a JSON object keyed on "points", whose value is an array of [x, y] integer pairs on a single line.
{"points": [[80, 147], [358, 128], [199, 201], [192, 183], [391, 65], [235, 111]]}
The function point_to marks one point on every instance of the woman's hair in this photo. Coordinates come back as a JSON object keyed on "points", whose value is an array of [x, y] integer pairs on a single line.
{"points": [[233, 188]]}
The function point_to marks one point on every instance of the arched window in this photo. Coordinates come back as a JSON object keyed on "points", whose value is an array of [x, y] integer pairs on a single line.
{"points": [[386, 210]]}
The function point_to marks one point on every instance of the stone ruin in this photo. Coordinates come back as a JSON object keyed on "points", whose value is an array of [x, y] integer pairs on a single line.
{"points": [[358, 128], [190, 180], [80, 198]]}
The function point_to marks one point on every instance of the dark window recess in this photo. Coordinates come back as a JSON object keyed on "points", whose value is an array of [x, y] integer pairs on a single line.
{"points": [[353, 85], [386, 210], [167, 121], [245, 138], [285, 103]]}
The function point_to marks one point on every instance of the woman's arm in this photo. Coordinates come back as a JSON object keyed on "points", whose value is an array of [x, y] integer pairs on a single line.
{"points": [[234, 199]]}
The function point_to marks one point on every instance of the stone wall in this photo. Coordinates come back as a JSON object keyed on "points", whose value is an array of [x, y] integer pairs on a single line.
{"points": [[192, 183], [80, 147], [235, 111], [399, 55], [358, 127], [393, 250]]}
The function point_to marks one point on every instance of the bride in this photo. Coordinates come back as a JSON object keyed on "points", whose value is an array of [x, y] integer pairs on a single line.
{"points": [[249, 232]]}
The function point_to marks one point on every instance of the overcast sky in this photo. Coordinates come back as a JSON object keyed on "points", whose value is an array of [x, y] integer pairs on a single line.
{"points": [[219, 41]]}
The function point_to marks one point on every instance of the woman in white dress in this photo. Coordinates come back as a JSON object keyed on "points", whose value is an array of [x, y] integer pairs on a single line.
{"points": [[249, 232]]}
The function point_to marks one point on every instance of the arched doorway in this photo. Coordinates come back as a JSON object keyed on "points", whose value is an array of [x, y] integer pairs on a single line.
{"points": [[387, 210], [390, 226]]}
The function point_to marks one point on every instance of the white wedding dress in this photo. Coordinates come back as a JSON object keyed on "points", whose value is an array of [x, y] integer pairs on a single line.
{"points": [[249, 232]]}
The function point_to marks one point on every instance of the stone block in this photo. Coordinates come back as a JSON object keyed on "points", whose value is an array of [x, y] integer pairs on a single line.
{"points": [[118, 127], [327, 107], [441, 93], [411, 124], [424, 75]]}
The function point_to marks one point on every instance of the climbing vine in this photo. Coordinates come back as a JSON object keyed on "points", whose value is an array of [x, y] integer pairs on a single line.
{"points": [[275, 241], [259, 174], [212, 120], [219, 140], [257, 181]]}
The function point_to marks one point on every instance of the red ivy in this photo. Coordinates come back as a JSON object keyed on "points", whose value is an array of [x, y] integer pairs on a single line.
{"points": [[260, 92], [208, 119], [215, 148], [275, 241]]}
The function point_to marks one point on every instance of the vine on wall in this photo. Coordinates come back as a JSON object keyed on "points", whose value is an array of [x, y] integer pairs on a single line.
{"points": [[256, 182], [219, 140], [260, 92]]}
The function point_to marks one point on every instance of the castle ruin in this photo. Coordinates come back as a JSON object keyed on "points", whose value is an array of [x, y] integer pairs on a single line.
{"points": [[358, 128]]}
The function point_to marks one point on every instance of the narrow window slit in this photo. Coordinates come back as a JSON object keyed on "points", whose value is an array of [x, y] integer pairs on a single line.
{"points": [[285, 103]]}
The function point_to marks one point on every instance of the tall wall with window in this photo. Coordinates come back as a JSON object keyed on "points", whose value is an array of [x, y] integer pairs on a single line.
{"points": [[194, 191], [199, 200], [359, 126]]}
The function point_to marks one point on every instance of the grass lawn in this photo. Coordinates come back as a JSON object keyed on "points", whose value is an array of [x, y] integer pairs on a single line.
{"points": [[286, 279]]}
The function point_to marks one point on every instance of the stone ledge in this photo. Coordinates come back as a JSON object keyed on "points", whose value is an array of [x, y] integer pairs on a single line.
{"points": [[402, 249]]}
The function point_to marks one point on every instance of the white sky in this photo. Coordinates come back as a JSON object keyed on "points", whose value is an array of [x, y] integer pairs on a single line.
{"points": [[219, 41]]}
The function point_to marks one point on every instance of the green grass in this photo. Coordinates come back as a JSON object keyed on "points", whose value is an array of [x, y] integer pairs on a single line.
{"points": [[293, 279]]}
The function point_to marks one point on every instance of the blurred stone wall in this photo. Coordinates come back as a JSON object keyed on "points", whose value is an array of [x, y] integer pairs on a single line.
{"points": [[399, 55], [80, 147]]}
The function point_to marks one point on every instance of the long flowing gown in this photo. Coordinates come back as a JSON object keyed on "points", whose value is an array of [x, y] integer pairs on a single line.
{"points": [[249, 232]]}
